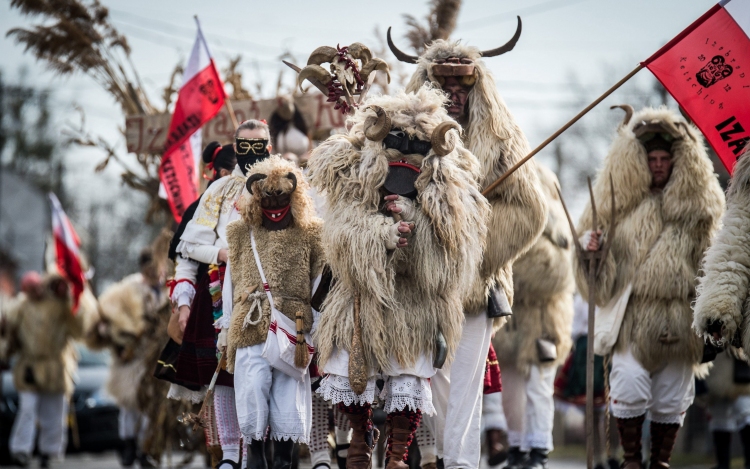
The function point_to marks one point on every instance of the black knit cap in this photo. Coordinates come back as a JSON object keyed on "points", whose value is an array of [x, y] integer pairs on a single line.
{"points": [[223, 159]]}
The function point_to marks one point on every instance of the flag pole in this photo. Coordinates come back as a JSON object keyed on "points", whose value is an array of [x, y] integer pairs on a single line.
{"points": [[562, 129], [227, 101]]}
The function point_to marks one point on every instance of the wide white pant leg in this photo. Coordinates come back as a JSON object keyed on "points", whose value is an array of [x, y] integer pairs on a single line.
{"points": [[540, 408], [127, 423], [24, 427], [493, 414], [514, 404], [53, 424], [463, 416]]}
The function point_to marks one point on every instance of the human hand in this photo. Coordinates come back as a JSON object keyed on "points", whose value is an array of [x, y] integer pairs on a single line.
{"points": [[223, 256], [400, 205], [184, 315], [397, 234], [594, 237], [221, 341]]}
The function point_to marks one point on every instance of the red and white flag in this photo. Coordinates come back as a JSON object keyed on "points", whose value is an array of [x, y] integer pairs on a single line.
{"points": [[67, 253], [706, 68], [200, 98]]}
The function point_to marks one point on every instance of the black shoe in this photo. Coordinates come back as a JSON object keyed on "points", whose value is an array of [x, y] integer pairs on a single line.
{"points": [[613, 463], [516, 458], [144, 460], [128, 450], [322, 465], [20, 460], [256, 455], [283, 453], [235, 465], [44, 461], [538, 458], [341, 460]]}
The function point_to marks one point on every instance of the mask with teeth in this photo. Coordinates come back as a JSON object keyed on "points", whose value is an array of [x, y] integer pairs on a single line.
{"points": [[275, 204]]}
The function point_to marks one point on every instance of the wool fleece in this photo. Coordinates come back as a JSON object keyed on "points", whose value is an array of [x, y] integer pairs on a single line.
{"points": [[543, 283], [660, 239], [492, 135], [408, 295], [291, 258]]}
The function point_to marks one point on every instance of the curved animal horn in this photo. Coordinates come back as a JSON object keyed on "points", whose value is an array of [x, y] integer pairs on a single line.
{"points": [[375, 64], [253, 178], [508, 46], [378, 127], [293, 177], [360, 51], [628, 112], [402, 56], [440, 144], [315, 72], [321, 55]]}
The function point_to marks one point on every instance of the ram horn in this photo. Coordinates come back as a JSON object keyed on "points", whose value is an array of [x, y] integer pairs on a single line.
{"points": [[321, 55], [360, 51], [628, 112], [439, 138], [253, 178], [293, 177], [508, 46], [402, 56], [376, 128], [315, 72], [375, 64]]}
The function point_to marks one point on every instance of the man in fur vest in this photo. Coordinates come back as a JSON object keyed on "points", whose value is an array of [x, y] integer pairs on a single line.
{"points": [[537, 337], [404, 236], [518, 217], [131, 313], [668, 206], [43, 325], [275, 259]]}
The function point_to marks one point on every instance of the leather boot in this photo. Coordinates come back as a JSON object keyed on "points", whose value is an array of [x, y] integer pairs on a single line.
{"points": [[256, 455], [516, 458], [722, 449], [364, 438], [128, 452], [538, 458], [399, 433], [745, 438], [663, 436], [283, 453], [497, 446], [631, 431]]}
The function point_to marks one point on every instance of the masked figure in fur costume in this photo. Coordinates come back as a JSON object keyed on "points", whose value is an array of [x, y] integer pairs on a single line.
{"points": [[275, 256], [42, 328], [669, 204], [130, 317], [537, 337], [401, 157], [518, 217]]}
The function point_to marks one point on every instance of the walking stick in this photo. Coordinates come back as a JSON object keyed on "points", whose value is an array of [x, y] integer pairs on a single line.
{"points": [[595, 261], [199, 420]]}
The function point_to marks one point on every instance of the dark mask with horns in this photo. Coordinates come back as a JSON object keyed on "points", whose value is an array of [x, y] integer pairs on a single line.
{"points": [[275, 203]]}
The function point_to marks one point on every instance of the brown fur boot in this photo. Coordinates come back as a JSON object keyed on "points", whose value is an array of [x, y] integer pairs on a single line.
{"points": [[631, 431], [663, 436], [364, 436]]}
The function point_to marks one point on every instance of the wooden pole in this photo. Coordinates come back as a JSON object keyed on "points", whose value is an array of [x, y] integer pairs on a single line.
{"points": [[562, 129], [590, 427], [230, 110]]}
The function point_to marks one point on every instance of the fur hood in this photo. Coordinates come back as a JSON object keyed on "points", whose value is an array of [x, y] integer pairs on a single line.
{"points": [[409, 294], [724, 287], [492, 135], [660, 238]]}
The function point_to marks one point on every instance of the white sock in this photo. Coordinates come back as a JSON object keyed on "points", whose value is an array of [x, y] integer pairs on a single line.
{"points": [[231, 453], [342, 438], [429, 454], [320, 457]]}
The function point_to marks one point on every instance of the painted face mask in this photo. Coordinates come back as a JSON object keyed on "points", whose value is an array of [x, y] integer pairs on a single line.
{"points": [[250, 151]]}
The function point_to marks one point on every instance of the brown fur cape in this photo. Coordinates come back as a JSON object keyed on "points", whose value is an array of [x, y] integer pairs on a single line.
{"points": [[543, 284], [492, 135], [407, 295], [659, 242]]}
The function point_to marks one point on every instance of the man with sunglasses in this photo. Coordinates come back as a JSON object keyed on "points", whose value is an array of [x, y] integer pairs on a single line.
{"points": [[669, 204]]}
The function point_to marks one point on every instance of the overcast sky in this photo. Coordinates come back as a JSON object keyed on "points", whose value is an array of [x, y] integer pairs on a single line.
{"points": [[560, 38]]}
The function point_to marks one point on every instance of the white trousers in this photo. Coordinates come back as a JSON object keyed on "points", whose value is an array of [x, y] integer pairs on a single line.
{"points": [[665, 394], [729, 416], [493, 415], [131, 424], [51, 412], [267, 397], [529, 406], [457, 397]]}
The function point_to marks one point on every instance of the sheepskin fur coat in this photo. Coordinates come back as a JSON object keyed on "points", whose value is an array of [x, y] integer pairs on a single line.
{"points": [[129, 326], [724, 287], [543, 284], [292, 258], [660, 239], [492, 135], [411, 294], [43, 331]]}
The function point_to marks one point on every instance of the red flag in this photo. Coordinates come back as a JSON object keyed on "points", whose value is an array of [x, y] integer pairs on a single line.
{"points": [[67, 254], [706, 68], [200, 98]]}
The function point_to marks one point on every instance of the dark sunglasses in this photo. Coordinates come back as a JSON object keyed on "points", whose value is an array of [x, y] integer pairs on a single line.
{"points": [[398, 140], [257, 146]]}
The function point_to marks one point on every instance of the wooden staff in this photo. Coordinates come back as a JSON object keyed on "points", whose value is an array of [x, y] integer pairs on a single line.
{"points": [[230, 110], [198, 420], [562, 129], [595, 261], [357, 367]]}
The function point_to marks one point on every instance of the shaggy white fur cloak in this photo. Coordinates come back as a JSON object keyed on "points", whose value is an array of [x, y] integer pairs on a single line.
{"points": [[659, 242], [409, 294], [543, 283], [492, 135]]}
